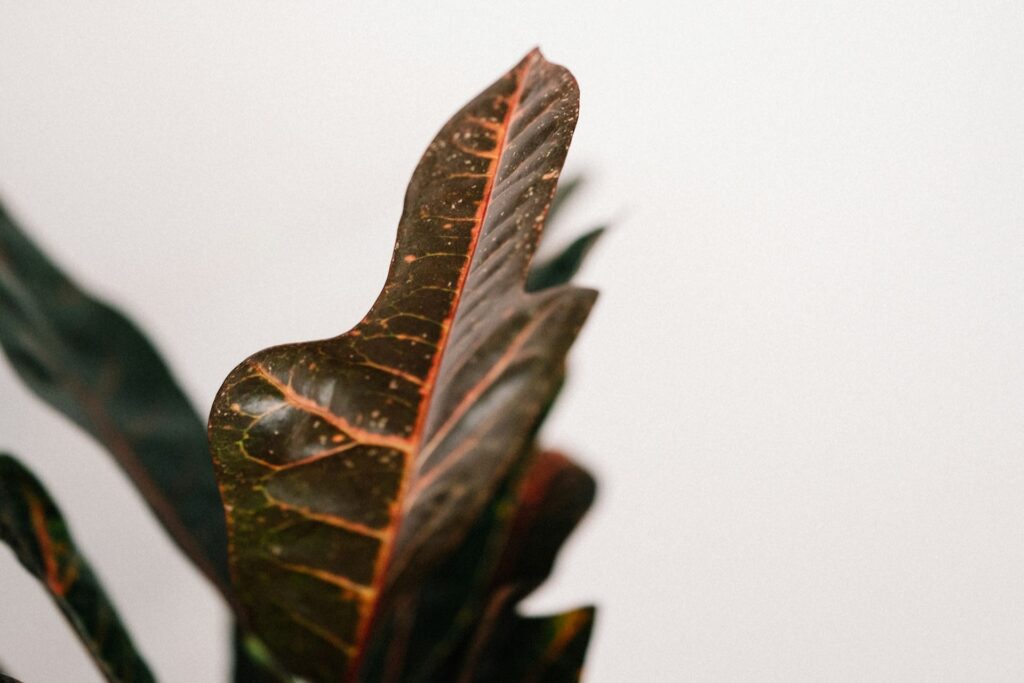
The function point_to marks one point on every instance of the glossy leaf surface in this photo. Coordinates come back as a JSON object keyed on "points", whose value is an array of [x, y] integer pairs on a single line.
{"points": [[92, 364], [34, 529], [361, 461], [504, 363]]}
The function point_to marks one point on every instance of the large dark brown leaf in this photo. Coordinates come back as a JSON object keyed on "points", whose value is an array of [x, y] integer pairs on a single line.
{"points": [[92, 364], [511, 549], [504, 362], [33, 527], [421, 635], [363, 460]]}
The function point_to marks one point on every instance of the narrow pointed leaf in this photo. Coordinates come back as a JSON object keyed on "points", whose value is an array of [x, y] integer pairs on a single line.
{"points": [[92, 364], [560, 269], [363, 459], [33, 527]]}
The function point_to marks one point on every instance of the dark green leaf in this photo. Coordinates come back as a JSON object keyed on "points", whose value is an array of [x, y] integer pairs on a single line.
{"points": [[560, 269], [34, 529], [91, 363], [322, 448]]}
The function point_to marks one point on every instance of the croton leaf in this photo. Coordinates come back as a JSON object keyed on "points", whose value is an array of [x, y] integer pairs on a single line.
{"points": [[92, 364], [504, 363], [426, 634], [360, 461], [33, 527], [420, 633]]}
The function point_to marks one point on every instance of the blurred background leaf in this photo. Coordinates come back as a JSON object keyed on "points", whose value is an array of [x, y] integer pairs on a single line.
{"points": [[34, 529], [96, 367]]}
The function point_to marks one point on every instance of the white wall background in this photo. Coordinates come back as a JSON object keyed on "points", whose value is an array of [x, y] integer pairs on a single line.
{"points": [[803, 387]]}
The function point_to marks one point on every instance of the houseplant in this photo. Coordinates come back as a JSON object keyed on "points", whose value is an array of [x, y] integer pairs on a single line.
{"points": [[382, 503]]}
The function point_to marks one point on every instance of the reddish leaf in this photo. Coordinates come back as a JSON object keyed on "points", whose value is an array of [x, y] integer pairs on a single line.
{"points": [[364, 459]]}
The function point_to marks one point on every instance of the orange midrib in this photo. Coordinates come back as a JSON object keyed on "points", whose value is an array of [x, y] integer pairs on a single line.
{"points": [[52, 571], [428, 385]]}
